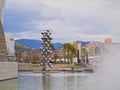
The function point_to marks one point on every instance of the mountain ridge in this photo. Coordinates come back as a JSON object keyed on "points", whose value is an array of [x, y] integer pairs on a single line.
{"points": [[32, 43]]}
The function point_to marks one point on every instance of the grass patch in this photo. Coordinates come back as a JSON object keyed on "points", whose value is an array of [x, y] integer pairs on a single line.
{"points": [[33, 65], [73, 66]]}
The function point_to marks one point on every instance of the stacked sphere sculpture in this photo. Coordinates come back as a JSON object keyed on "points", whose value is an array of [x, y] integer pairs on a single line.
{"points": [[46, 51]]}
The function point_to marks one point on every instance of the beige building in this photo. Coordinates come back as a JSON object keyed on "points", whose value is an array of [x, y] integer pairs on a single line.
{"points": [[93, 49], [108, 42]]}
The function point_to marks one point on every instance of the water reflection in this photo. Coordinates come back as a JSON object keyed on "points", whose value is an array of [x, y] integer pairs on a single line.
{"points": [[9, 84], [28, 81], [46, 82], [53, 81], [56, 81]]}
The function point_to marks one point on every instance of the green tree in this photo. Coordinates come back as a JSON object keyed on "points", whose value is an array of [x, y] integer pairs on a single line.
{"points": [[84, 56], [69, 52], [52, 47]]}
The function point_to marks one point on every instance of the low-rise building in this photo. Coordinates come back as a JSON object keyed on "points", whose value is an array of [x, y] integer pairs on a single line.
{"points": [[10, 44], [93, 49], [107, 43]]}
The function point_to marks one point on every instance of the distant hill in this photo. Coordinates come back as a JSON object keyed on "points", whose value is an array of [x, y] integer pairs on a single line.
{"points": [[58, 46], [21, 48], [37, 43], [83, 43], [30, 43]]}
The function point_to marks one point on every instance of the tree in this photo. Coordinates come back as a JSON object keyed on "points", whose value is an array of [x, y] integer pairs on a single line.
{"points": [[84, 56], [69, 52], [18, 56], [52, 47]]}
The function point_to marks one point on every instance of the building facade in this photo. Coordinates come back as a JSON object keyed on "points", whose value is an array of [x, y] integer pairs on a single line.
{"points": [[3, 50], [108, 42], [93, 49], [10, 45], [1, 9]]}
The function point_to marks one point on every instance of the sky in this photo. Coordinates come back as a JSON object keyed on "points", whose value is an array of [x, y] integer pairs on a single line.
{"points": [[68, 20]]}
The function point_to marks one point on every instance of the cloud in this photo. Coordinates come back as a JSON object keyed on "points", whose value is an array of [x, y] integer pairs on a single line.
{"points": [[68, 20]]}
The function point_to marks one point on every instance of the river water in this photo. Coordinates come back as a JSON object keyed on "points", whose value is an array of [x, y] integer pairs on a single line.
{"points": [[51, 81], [105, 77], [56, 81]]}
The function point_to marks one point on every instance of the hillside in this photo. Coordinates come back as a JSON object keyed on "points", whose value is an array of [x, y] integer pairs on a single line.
{"points": [[37, 43], [21, 48], [26, 44]]}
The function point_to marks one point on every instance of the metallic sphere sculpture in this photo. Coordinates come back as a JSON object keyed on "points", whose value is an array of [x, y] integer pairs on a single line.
{"points": [[46, 51]]}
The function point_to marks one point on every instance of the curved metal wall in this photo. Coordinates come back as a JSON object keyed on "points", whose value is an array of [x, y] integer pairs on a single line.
{"points": [[3, 50], [1, 8]]}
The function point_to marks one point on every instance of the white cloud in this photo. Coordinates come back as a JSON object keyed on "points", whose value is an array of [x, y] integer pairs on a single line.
{"points": [[72, 19]]}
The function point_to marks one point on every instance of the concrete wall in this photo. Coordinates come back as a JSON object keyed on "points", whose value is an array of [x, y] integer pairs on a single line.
{"points": [[8, 70]]}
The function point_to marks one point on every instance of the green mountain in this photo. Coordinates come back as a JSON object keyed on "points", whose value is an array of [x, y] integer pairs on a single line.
{"points": [[21, 48]]}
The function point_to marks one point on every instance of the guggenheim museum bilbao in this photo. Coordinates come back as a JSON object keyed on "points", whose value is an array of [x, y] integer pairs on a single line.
{"points": [[6, 42], [1, 8], [3, 50], [8, 69]]}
